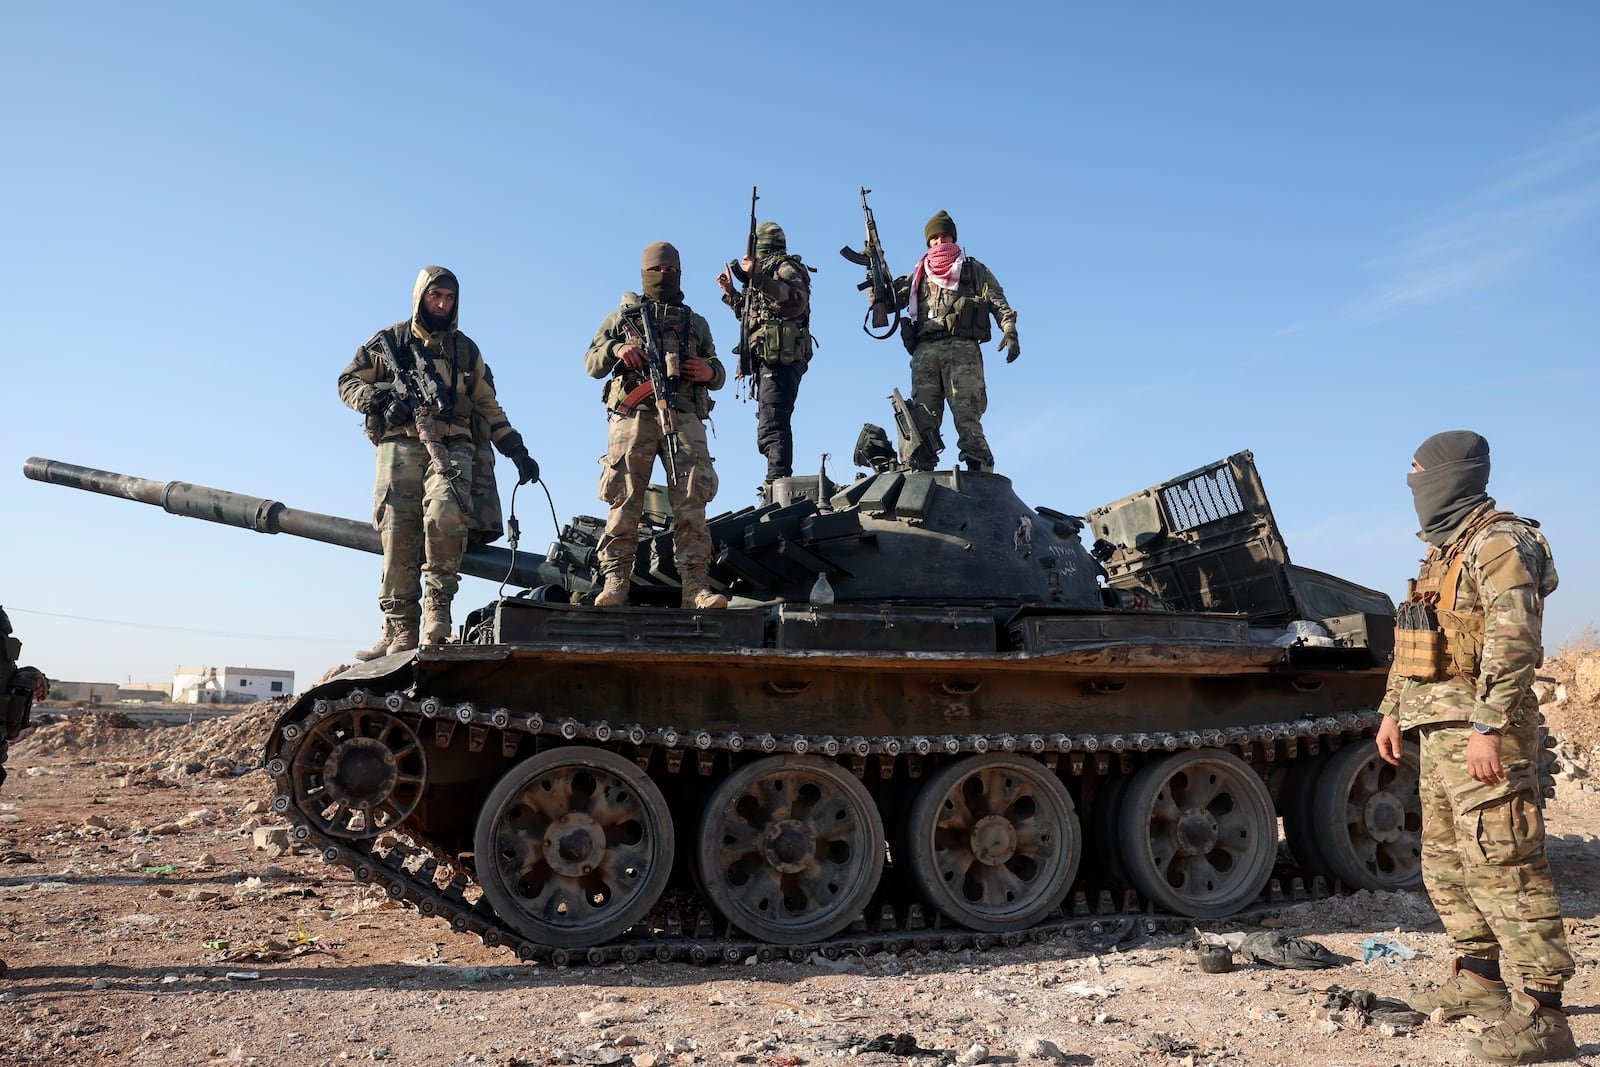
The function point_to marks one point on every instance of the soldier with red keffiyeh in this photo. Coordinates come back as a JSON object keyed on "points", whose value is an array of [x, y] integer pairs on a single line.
{"points": [[949, 299]]}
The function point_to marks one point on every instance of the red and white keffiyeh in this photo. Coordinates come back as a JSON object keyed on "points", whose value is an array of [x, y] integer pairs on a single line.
{"points": [[942, 266]]}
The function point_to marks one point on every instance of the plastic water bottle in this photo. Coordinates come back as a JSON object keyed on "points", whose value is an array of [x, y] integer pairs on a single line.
{"points": [[822, 591]]}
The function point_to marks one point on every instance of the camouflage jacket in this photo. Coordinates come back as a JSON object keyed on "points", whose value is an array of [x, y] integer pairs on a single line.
{"points": [[938, 313], [456, 360], [783, 291], [682, 331], [1507, 574]]}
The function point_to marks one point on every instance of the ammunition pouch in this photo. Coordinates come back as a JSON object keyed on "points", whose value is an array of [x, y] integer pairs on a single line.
{"points": [[16, 702], [968, 319], [780, 342], [1463, 643], [1420, 655]]}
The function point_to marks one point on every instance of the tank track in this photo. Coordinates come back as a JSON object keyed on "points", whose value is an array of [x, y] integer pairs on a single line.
{"points": [[410, 871]]}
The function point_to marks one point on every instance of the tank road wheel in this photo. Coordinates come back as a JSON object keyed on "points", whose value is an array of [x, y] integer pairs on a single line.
{"points": [[1295, 804], [994, 842], [790, 848], [1199, 836], [573, 846], [358, 772], [1369, 817]]}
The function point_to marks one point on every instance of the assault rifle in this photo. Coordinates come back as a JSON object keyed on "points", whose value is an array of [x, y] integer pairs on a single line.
{"points": [[879, 281], [746, 368], [663, 383], [420, 389]]}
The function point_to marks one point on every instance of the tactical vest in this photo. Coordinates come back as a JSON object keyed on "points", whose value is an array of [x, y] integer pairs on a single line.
{"points": [[1432, 640], [775, 340], [961, 312], [674, 324]]}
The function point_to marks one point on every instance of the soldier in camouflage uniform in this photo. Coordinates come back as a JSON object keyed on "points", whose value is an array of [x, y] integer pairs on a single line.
{"points": [[636, 438], [19, 688], [779, 330], [949, 299], [1467, 643], [415, 507]]}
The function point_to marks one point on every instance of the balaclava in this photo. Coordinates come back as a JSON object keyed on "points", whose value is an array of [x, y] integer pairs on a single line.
{"points": [[1452, 483], [662, 286], [770, 240]]}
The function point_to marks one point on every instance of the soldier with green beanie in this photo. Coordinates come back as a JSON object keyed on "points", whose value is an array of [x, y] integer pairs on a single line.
{"points": [[636, 437], [949, 299], [779, 331], [426, 458], [1468, 640]]}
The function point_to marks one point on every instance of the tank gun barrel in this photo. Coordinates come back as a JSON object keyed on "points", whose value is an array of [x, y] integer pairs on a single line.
{"points": [[272, 517]]}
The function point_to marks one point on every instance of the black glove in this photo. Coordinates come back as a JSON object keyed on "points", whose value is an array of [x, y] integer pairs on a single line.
{"points": [[396, 411], [1009, 341], [512, 448]]}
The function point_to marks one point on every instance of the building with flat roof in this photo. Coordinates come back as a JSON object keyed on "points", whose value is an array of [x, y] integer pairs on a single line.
{"points": [[229, 685]]}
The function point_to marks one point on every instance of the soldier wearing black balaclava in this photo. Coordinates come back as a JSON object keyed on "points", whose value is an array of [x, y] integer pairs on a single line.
{"points": [[1468, 640]]}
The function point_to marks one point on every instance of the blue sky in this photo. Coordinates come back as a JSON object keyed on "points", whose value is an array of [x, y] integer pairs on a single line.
{"points": [[1320, 233]]}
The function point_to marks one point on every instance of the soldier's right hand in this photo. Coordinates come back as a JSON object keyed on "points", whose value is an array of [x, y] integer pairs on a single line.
{"points": [[1389, 747], [632, 355], [725, 282]]}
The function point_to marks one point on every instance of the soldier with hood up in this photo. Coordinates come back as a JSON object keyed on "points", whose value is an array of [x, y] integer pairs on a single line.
{"points": [[422, 500], [637, 437], [1468, 640], [779, 332]]}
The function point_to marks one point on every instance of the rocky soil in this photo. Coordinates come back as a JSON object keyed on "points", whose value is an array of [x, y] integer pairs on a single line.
{"points": [[151, 912]]}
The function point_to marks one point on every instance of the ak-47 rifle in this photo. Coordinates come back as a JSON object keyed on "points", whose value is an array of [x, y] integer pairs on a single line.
{"points": [[416, 384], [881, 308], [663, 383], [746, 368]]}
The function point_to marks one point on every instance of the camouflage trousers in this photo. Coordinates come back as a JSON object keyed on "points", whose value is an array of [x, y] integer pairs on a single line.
{"points": [[635, 444], [424, 530], [1483, 857], [950, 369]]}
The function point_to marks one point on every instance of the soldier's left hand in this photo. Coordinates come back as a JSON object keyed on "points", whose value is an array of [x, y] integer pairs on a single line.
{"points": [[1009, 341], [725, 282], [1483, 758], [696, 369]]}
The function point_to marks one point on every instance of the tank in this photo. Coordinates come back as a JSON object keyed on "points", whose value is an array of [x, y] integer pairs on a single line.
{"points": [[934, 716]]}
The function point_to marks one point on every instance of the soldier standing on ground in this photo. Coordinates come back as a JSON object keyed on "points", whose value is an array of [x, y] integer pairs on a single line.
{"points": [[636, 438], [418, 509], [779, 332], [1467, 644], [19, 688], [949, 298]]}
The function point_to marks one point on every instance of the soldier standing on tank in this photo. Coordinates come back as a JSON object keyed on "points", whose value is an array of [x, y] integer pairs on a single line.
{"points": [[636, 439], [949, 298], [418, 510], [21, 687], [1467, 644], [778, 329]]}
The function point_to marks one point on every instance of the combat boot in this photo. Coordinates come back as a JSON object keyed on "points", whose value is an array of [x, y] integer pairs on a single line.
{"points": [[1466, 993], [382, 647], [615, 593], [405, 637], [1528, 1033], [435, 619], [697, 593]]}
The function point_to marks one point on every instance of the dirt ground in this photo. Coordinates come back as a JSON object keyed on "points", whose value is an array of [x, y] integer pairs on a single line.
{"points": [[150, 913]]}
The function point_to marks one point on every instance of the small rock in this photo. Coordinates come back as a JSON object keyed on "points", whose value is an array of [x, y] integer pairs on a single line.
{"points": [[253, 807], [593, 1018], [645, 1059], [166, 829], [976, 1054], [379, 1053], [99, 822], [1039, 1048], [266, 838]]}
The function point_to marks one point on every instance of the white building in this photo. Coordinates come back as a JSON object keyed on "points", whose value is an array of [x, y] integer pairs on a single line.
{"points": [[229, 685]]}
